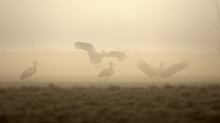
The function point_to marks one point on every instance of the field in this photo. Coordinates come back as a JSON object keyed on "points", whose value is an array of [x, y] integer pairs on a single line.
{"points": [[110, 104]]}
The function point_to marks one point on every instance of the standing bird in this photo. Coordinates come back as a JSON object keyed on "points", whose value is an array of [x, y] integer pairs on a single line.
{"points": [[95, 57], [161, 72], [30, 71], [108, 72]]}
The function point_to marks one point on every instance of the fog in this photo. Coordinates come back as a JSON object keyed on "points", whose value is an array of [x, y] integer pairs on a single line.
{"points": [[74, 66], [154, 30]]}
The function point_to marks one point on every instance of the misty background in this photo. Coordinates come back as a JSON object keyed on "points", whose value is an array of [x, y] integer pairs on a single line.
{"points": [[155, 30]]}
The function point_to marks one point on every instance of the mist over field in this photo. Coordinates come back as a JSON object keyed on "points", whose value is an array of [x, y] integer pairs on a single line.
{"points": [[74, 66], [109, 61]]}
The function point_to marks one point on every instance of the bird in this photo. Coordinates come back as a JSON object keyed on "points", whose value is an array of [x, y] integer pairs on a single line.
{"points": [[160, 72], [108, 72], [96, 57], [30, 71]]}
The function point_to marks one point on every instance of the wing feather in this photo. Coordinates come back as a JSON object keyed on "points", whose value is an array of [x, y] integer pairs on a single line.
{"points": [[173, 69], [146, 68], [121, 56], [92, 53]]}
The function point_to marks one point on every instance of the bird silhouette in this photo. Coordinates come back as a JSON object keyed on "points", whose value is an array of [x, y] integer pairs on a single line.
{"points": [[160, 72], [30, 71], [108, 72], [95, 57]]}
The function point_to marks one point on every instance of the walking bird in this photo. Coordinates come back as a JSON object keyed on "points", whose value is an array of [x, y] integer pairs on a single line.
{"points": [[108, 72], [96, 57], [30, 71], [161, 72]]}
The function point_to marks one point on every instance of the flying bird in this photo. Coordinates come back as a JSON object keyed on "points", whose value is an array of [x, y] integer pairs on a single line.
{"points": [[160, 72], [30, 71], [96, 57], [108, 72]]}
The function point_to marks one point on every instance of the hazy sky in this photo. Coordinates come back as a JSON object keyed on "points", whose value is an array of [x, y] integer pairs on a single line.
{"points": [[139, 25], [132, 24]]}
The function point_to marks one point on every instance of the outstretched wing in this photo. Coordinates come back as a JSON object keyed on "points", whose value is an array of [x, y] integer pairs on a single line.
{"points": [[84, 46], [173, 69], [121, 56], [93, 55], [146, 68]]}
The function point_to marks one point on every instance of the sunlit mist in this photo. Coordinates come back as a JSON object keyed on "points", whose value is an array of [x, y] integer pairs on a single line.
{"points": [[170, 31]]}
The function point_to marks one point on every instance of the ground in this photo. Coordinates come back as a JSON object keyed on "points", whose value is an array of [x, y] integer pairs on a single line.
{"points": [[110, 104]]}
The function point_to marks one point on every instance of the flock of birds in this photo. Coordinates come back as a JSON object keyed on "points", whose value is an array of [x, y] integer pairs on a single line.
{"points": [[96, 59]]}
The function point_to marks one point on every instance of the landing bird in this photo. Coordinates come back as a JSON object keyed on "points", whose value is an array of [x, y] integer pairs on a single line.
{"points": [[161, 72], [95, 57], [108, 72], [30, 71]]}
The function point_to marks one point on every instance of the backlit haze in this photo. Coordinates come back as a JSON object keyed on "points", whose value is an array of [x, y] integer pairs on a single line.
{"points": [[154, 30]]}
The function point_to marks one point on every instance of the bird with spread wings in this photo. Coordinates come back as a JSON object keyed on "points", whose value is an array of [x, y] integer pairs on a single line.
{"points": [[96, 57], [161, 72]]}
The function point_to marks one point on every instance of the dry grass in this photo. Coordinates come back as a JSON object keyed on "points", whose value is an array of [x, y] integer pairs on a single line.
{"points": [[113, 104]]}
